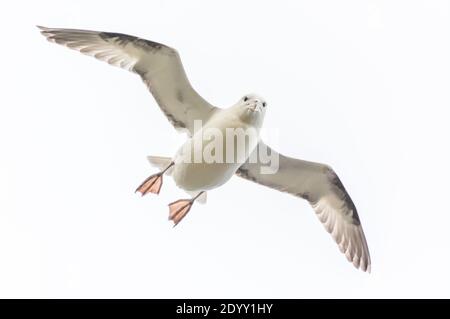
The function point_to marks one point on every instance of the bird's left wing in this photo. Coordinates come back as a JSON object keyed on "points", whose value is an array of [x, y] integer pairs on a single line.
{"points": [[158, 65], [322, 188]]}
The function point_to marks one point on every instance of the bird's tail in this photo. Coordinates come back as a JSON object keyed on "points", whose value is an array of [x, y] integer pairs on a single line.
{"points": [[161, 162]]}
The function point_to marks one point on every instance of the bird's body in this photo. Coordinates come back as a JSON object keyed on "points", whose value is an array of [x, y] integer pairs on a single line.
{"points": [[161, 69], [201, 162]]}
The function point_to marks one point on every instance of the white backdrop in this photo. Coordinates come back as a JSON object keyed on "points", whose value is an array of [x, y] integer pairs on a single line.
{"points": [[360, 85]]}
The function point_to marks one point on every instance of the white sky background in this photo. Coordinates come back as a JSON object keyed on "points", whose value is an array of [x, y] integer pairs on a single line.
{"points": [[360, 85]]}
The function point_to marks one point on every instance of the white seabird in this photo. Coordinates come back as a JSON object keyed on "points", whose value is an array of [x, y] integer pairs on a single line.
{"points": [[161, 69]]}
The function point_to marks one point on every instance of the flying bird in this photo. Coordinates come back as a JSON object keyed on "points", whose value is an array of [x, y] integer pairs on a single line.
{"points": [[160, 67]]}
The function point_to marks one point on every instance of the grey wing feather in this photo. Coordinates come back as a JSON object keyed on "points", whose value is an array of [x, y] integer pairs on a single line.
{"points": [[322, 188], [158, 65]]}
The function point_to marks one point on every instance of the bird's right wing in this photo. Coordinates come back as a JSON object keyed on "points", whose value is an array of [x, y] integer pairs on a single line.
{"points": [[321, 187], [158, 65]]}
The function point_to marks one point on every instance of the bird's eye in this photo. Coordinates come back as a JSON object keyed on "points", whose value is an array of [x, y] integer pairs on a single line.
{"points": [[264, 104], [245, 99]]}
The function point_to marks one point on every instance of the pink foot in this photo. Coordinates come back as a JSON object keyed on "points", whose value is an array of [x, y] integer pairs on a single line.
{"points": [[151, 185]]}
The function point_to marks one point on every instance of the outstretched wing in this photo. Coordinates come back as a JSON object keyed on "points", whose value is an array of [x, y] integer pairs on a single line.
{"points": [[322, 188], [158, 65]]}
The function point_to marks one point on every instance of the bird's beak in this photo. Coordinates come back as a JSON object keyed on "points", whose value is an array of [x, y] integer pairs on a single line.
{"points": [[254, 108]]}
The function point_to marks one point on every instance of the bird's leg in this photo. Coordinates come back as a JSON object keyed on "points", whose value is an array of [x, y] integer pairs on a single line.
{"points": [[180, 208], [153, 183]]}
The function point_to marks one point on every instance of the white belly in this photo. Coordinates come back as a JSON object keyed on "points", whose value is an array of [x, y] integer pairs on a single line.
{"points": [[211, 157]]}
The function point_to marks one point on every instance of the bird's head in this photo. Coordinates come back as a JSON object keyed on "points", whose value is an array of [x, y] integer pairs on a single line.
{"points": [[252, 109]]}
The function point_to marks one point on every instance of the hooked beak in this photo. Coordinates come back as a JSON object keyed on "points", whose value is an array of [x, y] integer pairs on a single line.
{"points": [[254, 108]]}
